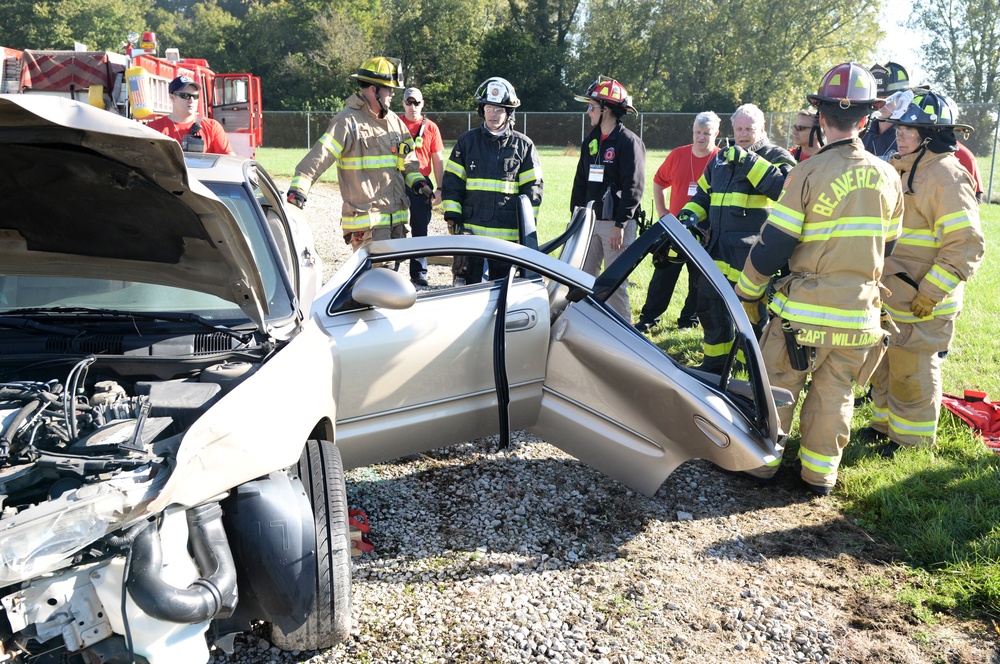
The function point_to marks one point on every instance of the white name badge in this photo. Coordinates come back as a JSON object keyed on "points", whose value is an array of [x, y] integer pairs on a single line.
{"points": [[596, 173], [692, 189]]}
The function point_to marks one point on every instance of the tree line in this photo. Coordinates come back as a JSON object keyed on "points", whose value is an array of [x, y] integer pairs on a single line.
{"points": [[681, 56]]}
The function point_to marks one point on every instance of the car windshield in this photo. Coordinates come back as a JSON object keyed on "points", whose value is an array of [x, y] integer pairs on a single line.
{"points": [[21, 292]]}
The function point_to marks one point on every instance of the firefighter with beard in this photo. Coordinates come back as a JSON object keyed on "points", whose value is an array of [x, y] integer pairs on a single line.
{"points": [[940, 247], [371, 147], [837, 218], [489, 168], [730, 205]]}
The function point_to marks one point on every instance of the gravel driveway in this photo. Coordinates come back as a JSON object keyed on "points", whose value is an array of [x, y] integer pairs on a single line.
{"points": [[526, 555]]}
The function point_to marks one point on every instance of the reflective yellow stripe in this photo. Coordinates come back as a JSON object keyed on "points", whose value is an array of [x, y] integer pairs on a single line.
{"points": [[880, 415], [786, 219], [735, 199], [814, 314], [910, 428], [412, 178], [368, 163], [452, 206], [728, 271], [509, 234], [362, 222], [497, 186], [697, 209], [952, 222], [302, 183], [842, 227], [750, 288], [943, 280], [455, 169], [946, 307], [919, 238], [819, 463], [331, 145], [527, 176], [717, 350], [758, 171]]}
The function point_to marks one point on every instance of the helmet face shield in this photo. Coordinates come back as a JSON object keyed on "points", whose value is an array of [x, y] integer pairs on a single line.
{"points": [[931, 111]]}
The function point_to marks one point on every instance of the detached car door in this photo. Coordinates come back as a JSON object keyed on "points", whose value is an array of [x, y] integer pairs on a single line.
{"points": [[622, 405]]}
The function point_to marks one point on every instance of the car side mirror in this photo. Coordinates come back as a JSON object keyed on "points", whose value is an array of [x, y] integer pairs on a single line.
{"points": [[385, 288]]}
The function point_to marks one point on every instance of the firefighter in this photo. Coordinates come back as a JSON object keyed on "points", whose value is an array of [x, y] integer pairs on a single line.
{"points": [[730, 204], [489, 167], [611, 173], [837, 218], [940, 247], [375, 165]]}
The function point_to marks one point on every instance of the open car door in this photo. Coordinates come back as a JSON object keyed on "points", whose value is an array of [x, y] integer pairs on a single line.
{"points": [[622, 405]]}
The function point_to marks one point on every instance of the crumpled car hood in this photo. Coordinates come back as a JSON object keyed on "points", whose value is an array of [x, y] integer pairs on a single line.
{"points": [[85, 192]]}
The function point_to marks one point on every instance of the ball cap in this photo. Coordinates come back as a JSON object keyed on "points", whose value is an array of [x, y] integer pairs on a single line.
{"points": [[413, 93], [182, 82]]}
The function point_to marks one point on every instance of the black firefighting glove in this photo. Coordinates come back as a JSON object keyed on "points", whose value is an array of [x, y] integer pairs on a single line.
{"points": [[689, 220], [296, 198]]}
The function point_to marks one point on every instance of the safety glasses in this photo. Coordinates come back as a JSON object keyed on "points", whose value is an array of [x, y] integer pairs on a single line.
{"points": [[413, 102], [186, 95]]}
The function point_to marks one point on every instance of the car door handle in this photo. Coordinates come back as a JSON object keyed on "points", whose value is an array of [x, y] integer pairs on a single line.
{"points": [[521, 320]]}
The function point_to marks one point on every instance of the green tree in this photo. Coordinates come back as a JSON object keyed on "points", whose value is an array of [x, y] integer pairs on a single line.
{"points": [[721, 53], [100, 24], [439, 43], [964, 58], [531, 47]]}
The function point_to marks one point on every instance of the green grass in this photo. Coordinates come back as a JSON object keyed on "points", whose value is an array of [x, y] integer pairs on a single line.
{"points": [[940, 507]]}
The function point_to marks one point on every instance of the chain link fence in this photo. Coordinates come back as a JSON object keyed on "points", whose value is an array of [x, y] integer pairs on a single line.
{"points": [[659, 131]]}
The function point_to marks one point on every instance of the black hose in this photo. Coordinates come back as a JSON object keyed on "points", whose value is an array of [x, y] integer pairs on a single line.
{"points": [[214, 593]]}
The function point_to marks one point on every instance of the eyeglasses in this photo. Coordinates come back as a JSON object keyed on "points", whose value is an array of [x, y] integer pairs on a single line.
{"points": [[590, 108], [186, 95], [801, 127], [412, 102]]}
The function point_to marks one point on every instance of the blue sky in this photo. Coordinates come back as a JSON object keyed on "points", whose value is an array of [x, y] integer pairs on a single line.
{"points": [[901, 44]]}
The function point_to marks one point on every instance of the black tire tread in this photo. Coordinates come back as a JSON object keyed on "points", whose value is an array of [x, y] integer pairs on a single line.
{"points": [[322, 474]]}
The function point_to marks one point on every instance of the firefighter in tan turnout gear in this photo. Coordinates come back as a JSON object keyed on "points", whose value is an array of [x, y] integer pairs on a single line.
{"points": [[375, 161], [834, 223], [940, 247]]}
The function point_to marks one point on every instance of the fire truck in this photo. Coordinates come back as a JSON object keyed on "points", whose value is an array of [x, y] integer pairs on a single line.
{"points": [[134, 84]]}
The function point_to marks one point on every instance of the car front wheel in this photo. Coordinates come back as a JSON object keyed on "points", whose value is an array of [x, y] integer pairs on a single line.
{"points": [[328, 622]]}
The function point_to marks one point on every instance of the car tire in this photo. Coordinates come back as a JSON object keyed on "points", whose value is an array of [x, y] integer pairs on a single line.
{"points": [[329, 621]]}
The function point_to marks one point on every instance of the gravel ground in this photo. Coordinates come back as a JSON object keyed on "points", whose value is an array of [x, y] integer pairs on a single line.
{"points": [[526, 555]]}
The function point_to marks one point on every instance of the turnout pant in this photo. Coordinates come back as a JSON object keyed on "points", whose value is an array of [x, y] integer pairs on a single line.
{"points": [[906, 387], [825, 418]]}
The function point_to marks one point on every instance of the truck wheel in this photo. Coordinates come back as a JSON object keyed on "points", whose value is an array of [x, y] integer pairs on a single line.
{"points": [[329, 621]]}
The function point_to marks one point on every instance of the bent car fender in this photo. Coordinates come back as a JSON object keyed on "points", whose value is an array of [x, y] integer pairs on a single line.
{"points": [[260, 426]]}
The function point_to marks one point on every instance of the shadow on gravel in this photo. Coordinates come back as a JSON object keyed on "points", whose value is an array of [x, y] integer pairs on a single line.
{"points": [[476, 510]]}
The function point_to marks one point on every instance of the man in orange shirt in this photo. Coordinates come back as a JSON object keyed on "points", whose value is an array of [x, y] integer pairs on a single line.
{"points": [[426, 141], [194, 133], [679, 173]]}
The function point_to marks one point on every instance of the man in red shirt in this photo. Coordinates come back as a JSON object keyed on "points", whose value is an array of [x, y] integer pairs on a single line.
{"points": [[679, 173], [194, 133], [427, 143]]}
